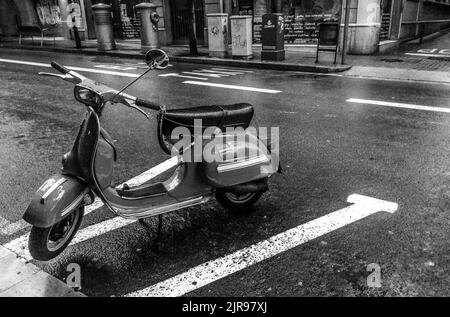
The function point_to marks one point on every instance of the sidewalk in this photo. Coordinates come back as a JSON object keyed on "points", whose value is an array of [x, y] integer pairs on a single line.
{"points": [[400, 63], [23, 279], [295, 60]]}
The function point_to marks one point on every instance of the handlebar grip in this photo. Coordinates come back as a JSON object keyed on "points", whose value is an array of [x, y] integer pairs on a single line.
{"points": [[147, 104], [59, 67]]}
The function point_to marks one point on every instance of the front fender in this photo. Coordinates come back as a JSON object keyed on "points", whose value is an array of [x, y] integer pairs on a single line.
{"points": [[55, 199]]}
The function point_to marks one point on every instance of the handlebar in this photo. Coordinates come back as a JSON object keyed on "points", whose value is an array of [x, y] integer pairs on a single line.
{"points": [[148, 104], [77, 78], [59, 68]]}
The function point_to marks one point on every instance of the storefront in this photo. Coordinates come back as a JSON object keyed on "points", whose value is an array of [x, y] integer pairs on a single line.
{"points": [[370, 21], [57, 16]]}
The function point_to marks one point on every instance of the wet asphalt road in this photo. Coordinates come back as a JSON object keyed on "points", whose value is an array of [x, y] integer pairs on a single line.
{"points": [[330, 149]]}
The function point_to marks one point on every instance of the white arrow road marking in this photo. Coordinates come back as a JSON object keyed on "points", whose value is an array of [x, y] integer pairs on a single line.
{"points": [[87, 70], [181, 76], [268, 91], [398, 105], [212, 271], [19, 245]]}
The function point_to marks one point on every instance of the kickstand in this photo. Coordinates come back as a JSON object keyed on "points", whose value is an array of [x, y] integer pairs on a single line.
{"points": [[158, 242]]}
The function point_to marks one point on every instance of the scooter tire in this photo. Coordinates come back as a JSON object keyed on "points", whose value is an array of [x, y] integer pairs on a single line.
{"points": [[235, 205], [38, 242]]}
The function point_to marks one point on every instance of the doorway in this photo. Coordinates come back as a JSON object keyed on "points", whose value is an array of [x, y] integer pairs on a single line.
{"points": [[180, 20]]}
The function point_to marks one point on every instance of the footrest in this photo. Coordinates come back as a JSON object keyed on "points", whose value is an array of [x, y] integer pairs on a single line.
{"points": [[142, 191]]}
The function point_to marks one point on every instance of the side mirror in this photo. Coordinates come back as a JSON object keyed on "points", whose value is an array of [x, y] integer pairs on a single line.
{"points": [[157, 59]]}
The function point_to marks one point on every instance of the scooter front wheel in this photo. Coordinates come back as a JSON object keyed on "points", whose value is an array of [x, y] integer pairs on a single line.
{"points": [[47, 243], [237, 203]]}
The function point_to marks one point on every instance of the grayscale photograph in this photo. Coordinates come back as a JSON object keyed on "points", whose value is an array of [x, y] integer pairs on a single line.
{"points": [[224, 156]]}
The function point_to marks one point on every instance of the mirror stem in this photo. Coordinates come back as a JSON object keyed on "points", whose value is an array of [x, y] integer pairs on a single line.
{"points": [[131, 83]]}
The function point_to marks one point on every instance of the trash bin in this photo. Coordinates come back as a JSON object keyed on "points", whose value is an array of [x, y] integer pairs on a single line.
{"points": [[272, 37], [241, 36], [218, 34], [103, 27], [149, 26]]}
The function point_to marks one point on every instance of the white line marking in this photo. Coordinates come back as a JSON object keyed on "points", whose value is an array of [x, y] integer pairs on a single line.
{"points": [[87, 70], [214, 270], [217, 72], [3, 222], [398, 105], [269, 91], [354, 76], [181, 76], [427, 55], [206, 74], [19, 245], [232, 70], [116, 67], [14, 227]]}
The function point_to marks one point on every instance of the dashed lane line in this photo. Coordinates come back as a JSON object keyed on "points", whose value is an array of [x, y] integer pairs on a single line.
{"points": [[246, 88], [397, 105], [206, 74], [81, 69], [182, 76]]}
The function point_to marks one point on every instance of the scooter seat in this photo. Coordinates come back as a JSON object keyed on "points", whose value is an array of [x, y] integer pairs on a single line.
{"points": [[221, 116]]}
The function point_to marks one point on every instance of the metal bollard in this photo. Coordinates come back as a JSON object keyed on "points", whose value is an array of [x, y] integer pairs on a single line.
{"points": [[149, 25], [104, 28]]}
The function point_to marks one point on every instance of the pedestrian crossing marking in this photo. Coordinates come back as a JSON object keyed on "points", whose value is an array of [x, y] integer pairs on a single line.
{"points": [[205, 74]]}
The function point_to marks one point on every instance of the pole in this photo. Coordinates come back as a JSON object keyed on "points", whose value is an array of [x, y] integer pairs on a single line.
{"points": [[192, 28], [76, 36], [344, 37]]}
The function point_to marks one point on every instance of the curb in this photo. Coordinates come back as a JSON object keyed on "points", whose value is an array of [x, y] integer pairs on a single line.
{"points": [[262, 65], [20, 278], [198, 60]]}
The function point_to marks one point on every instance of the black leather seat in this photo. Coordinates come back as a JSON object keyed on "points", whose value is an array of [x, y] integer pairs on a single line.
{"points": [[236, 115]]}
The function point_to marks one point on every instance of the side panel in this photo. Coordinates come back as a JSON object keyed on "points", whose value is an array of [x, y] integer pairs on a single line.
{"points": [[54, 200], [235, 160], [104, 163]]}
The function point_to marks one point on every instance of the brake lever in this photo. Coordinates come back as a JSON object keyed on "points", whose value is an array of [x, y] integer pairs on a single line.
{"points": [[124, 101], [140, 110], [66, 77]]}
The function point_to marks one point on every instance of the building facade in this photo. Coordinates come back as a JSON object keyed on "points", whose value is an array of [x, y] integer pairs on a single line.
{"points": [[369, 20]]}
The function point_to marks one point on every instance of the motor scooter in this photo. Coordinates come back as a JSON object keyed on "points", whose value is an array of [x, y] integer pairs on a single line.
{"points": [[237, 181]]}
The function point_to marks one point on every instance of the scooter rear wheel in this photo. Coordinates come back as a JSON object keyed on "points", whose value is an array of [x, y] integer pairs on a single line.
{"points": [[47, 243], [237, 203]]}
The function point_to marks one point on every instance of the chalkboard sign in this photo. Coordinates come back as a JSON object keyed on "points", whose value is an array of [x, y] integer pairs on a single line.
{"points": [[298, 29], [131, 28]]}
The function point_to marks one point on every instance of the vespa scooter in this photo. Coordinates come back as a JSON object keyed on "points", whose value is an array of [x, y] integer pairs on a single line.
{"points": [[57, 208]]}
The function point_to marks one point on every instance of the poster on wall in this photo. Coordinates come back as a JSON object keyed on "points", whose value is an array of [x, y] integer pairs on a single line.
{"points": [[48, 12], [74, 14]]}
